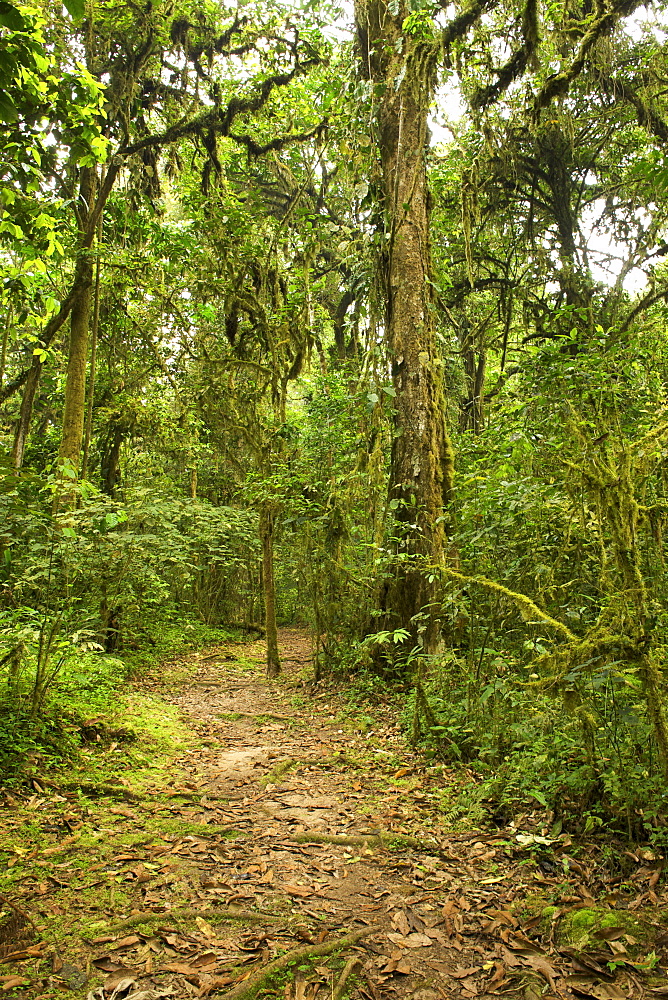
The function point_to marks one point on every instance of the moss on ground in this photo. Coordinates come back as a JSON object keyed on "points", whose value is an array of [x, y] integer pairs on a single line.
{"points": [[581, 929]]}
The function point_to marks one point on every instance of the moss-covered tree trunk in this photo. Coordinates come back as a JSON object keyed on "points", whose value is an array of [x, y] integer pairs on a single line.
{"points": [[269, 586], [402, 71]]}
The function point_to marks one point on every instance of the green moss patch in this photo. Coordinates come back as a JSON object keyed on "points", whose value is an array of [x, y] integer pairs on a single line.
{"points": [[588, 928]]}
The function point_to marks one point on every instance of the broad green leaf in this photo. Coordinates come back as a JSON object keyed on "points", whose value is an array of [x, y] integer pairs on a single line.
{"points": [[8, 112], [75, 8], [11, 18]]}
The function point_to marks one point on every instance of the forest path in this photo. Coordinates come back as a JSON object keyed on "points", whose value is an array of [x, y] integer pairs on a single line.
{"points": [[285, 823], [330, 827]]}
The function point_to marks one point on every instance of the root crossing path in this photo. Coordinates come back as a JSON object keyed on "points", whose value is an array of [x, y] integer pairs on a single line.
{"points": [[291, 846]]}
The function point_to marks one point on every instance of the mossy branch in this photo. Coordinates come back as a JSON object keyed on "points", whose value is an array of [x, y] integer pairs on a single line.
{"points": [[351, 966], [518, 62], [557, 85], [220, 119], [648, 118], [528, 608]]}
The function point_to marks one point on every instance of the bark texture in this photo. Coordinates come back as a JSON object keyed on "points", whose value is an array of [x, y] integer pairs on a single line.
{"points": [[402, 69], [269, 585], [77, 358], [25, 414], [75, 387]]}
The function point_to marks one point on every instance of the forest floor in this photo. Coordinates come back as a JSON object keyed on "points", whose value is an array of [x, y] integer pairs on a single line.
{"points": [[232, 827]]}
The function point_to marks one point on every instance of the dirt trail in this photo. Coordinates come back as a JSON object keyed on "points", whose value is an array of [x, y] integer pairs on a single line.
{"points": [[294, 826]]}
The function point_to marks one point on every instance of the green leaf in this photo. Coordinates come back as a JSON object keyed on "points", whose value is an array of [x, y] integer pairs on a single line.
{"points": [[11, 18], [75, 8], [8, 112]]}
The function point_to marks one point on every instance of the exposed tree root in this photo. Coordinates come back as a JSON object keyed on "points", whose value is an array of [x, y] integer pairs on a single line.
{"points": [[347, 972], [208, 684], [250, 986], [258, 715], [386, 840], [102, 791], [220, 913]]}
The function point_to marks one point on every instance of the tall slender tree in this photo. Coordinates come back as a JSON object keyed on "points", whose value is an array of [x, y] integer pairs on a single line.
{"points": [[400, 60]]}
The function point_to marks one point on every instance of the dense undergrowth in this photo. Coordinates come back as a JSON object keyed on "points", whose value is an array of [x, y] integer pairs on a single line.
{"points": [[86, 699]]}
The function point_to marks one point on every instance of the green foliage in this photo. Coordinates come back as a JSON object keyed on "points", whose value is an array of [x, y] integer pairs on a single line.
{"points": [[241, 370], [84, 690]]}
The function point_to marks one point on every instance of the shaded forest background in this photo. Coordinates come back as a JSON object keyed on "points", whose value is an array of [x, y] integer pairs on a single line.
{"points": [[281, 344]]}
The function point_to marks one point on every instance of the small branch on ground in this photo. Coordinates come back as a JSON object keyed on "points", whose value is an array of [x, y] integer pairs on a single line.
{"points": [[250, 986]]}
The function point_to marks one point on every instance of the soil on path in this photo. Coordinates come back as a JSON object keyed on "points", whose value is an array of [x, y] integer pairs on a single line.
{"points": [[291, 825]]}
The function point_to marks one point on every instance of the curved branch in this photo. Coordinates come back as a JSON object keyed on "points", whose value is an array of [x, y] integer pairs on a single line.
{"points": [[647, 118], [518, 62], [219, 120], [523, 603], [558, 84]]}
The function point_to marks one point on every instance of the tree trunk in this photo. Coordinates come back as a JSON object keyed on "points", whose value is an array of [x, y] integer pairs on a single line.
{"points": [[471, 411], [25, 414], [5, 340], [93, 359], [110, 460], [268, 583], [422, 462], [75, 386]]}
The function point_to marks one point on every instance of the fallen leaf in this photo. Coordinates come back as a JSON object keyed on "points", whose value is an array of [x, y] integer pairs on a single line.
{"points": [[204, 960], [34, 951], [63, 845], [150, 994], [206, 929], [400, 965], [543, 967], [107, 964], [498, 977], [610, 933], [463, 973], [297, 890], [123, 987], [414, 940], [400, 921], [9, 982], [126, 942], [589, 986], [183, 968]]}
